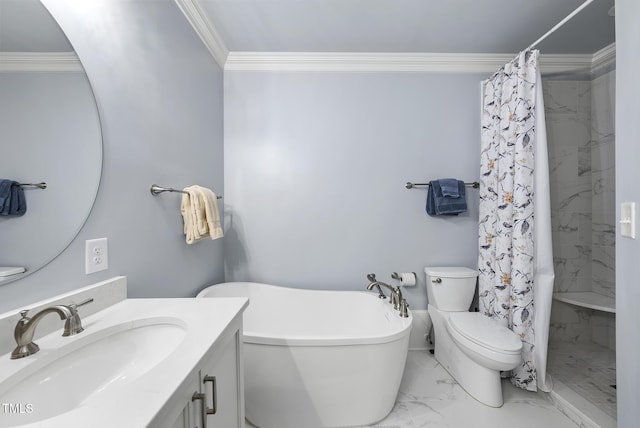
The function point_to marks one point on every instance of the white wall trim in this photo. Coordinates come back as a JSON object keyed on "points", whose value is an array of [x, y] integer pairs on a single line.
{"points": [[402, 62], [420, 328], [198, 18], [39, 62], [604, 57], [364, 62]]}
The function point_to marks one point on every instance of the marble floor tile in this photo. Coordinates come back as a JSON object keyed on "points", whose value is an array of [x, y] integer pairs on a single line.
{"points": [[429, 397], [587, 368]]}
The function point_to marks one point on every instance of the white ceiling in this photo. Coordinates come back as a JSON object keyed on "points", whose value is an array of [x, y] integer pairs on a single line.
{"points": [[27, 26], [427, 26]]}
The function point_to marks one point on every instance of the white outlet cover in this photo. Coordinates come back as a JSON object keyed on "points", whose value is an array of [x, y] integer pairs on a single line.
{"points": [[96, 255], [628, 219]]}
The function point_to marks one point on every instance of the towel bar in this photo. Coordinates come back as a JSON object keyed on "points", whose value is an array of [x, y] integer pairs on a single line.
{"points": [[410, 185], [156, 190], [41, 185]]}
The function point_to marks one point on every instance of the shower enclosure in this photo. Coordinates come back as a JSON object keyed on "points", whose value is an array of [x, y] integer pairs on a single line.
{"points": [[581, 141]]}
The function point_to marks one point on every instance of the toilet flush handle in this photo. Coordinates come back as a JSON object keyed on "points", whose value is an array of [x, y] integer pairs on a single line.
{"points": [[437, 280]]}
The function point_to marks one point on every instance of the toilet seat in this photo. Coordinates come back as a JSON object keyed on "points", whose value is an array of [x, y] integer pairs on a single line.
{"points": [[484, 332]]}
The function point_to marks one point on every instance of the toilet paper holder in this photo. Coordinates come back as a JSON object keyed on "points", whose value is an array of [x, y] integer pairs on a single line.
{"points": [[407, 279]]}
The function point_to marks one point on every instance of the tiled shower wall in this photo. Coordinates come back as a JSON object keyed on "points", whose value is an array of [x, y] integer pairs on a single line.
{"points": [[580, 134]]}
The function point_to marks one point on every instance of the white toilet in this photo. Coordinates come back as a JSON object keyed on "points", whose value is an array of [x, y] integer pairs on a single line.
{"points": [[473, 348]]}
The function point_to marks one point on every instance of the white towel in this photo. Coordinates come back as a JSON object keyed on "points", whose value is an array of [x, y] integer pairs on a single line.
{"points": [[199, 210]]}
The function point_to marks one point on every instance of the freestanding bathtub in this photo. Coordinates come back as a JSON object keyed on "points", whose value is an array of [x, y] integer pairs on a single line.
{"points": [[318, 358]]}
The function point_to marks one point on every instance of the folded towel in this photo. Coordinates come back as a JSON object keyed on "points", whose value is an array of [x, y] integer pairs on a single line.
{"points": [[5, 196], [438, 204], [12, 199], [211, 213], [199, 210], [449, 187]]}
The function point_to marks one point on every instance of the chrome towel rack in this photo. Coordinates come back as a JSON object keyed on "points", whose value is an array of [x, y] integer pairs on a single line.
{"points": [[156, 190], [41, 185], [410, 185]]}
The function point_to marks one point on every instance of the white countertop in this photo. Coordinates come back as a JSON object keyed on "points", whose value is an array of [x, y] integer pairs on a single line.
{"points": [[133, 404]]}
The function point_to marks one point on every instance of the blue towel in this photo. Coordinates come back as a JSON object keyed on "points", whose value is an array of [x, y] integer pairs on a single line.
{"points": [[449, 187], [12, 200], [439, 204]]}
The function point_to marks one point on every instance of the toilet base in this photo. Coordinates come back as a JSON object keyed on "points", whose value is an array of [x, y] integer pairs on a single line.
{"points": [[478, 381]]}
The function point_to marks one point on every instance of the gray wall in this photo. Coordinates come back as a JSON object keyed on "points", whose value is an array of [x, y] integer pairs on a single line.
{"points": [[39, 132], [315, 166], [627, 190], [159, 94]]}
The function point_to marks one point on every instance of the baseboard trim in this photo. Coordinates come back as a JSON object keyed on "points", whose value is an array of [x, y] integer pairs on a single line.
{"points": [[420, 328]]}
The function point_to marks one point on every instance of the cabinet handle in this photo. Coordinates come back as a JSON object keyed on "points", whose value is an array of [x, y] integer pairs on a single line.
{"points": [[214, 408], [203, 412]]}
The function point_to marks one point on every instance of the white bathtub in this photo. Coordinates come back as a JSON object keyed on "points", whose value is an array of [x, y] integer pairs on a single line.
{"points": [[318, 358]]}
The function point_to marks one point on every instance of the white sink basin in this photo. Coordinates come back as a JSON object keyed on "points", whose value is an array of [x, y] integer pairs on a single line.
{"points": [[83, 370]]}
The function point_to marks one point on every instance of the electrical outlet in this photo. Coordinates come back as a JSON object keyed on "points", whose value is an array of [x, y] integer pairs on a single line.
{"points": [[96, 255]]}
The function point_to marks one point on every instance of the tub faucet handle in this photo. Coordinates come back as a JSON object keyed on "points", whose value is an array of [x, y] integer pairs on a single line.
{"points": [[371, 277], [404, 309], [396, 298]]}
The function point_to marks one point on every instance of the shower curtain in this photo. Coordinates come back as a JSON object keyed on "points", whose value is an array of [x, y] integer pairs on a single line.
{"points": [[515, 262]]}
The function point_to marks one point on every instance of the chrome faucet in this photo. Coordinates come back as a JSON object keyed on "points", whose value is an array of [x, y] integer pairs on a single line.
{"points": [[396, 294], [372, 277], [26, 327]]}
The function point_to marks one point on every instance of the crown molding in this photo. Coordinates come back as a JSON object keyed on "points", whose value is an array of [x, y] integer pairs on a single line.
{"points": [[198, 18], [364, 62], [604, 57], [40, 62], [401, 62]]}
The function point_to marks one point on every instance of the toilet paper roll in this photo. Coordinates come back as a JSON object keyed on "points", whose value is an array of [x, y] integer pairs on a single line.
{"points": [[408, 279]]}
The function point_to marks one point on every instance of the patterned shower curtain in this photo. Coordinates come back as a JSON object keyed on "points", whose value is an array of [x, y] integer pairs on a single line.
{"points": [[506, 261]]}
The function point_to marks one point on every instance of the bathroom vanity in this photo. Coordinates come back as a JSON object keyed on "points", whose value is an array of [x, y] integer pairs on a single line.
{"points": [[174, 363], [213, 392]]}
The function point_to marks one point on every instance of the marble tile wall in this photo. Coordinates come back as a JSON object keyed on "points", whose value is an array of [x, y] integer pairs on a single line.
{"points": [[581, 139], [603, 209], [568, 115]]}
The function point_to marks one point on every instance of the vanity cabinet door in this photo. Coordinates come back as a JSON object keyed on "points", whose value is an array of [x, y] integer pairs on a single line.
{"points": [[221, 382], [183, 419]]}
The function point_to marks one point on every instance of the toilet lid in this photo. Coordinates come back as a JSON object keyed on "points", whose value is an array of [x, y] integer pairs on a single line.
{"points": [[485, 332]]}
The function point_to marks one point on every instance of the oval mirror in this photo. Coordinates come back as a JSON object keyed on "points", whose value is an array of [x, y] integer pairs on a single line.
{"points": [[49, 132]]}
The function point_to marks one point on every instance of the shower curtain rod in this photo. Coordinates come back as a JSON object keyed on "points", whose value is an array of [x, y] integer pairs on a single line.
{"points": [[560, 24]]}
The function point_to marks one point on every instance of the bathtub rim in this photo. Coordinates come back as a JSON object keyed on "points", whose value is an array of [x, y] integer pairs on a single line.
{"points": [[404, 324]]}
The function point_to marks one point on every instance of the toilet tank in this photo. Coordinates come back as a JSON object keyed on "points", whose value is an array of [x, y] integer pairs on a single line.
{"points": [[451, 288]]}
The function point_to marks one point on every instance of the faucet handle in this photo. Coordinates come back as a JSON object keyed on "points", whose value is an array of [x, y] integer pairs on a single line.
{"points": [[371, 277], [84, 302], [23, 314], [404, 309], [73, 325]]}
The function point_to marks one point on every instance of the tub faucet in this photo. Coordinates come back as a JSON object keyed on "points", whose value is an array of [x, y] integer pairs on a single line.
{"points": [[396, 294], [26, 327], [372, 277]]}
